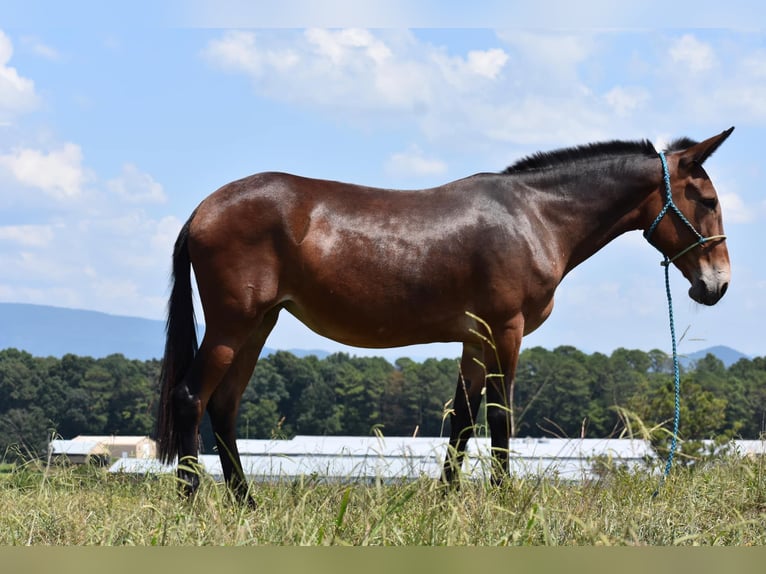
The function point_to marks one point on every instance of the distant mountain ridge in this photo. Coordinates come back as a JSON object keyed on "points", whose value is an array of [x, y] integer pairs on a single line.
{"points": [[727, 355], [44, 331]]}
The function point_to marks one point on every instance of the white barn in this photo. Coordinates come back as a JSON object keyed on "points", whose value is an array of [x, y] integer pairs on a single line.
{"points": [[348, 458], [103, 449]]}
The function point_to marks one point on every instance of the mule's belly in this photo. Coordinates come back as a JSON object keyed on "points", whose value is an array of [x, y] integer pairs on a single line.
{"points": [[378, 307], [376, 326]]}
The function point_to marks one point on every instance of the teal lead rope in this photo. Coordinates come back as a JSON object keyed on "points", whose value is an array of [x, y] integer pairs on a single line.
{"points": [[676, 369], [666, 264], [676, 380]]}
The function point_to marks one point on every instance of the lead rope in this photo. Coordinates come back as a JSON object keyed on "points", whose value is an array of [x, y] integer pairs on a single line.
{"points": [[676, 370], [666, 264], [676, 381]]}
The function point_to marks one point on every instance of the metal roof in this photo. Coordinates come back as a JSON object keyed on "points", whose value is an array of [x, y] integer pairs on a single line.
{"points": [[749, 447], [344, 445], [395, 458], [85, 445], [113, 439], [60, 447], [347, 458]]}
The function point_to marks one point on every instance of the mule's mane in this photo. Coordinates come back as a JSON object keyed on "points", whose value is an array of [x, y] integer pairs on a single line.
{"points": [[681, 143], [591, 151]]}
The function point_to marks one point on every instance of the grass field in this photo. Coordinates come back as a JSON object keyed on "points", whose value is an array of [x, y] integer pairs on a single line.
{"points": [[722, 502]]}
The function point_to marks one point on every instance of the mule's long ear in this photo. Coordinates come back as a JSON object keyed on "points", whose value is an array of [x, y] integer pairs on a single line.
{"points": [[698, 153]]}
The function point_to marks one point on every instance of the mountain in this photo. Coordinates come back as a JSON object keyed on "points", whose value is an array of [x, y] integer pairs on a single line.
{"points": [[727, 355], [54, 331]]}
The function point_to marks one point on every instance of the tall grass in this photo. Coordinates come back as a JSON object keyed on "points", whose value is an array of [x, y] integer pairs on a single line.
{"points": [[721, 502]]}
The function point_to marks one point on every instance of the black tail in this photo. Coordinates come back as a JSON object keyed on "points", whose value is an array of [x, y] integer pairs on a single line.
{"points": [[180, 345]]}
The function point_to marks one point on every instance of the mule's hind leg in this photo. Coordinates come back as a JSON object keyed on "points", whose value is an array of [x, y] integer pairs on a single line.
{"points": [[465, 407], [189, 399], [224, 405]]}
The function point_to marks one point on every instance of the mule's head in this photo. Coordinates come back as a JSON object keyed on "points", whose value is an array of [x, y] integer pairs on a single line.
{"points": [[692, 240]]}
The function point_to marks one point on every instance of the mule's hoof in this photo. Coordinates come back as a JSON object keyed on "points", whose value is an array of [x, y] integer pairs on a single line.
{"points": [[188, 489]]}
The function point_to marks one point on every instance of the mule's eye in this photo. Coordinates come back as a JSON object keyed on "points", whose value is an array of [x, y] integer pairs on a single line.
{"points": [[709, 202]]}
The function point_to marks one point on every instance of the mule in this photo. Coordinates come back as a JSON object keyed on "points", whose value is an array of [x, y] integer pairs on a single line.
{"points": [[381, 268]]}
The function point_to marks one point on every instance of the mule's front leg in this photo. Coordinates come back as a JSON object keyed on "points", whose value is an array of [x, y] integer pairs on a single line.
{"points": [[499, 422], [465, 407], [501, 371]]}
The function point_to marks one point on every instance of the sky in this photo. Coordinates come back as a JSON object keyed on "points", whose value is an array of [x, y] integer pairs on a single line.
{"points": [[116, 122]]}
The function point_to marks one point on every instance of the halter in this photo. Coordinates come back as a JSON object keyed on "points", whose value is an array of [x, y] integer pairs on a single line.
{"points": [[666, 263], [670, 205]]}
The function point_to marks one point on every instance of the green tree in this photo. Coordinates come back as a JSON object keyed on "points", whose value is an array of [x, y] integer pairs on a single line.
{"points": [[130, 398], [555, 393], [20, 379], [319, 412], [702, 415], [298, 374], [24, 433], [415, 397], [259, 413], [749, 379], [358, 384]]}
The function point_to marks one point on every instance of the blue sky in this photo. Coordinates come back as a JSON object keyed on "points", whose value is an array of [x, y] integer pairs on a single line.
{"points": [[114, 125]]}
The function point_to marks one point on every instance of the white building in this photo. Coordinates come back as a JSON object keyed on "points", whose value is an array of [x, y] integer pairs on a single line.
{"points": [[103, 449], [348, 458]]}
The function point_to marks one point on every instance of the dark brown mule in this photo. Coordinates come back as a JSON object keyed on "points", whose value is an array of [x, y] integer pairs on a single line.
{"points": [[382, 268]]}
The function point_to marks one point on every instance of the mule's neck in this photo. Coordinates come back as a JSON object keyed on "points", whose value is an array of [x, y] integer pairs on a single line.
{"points": [[588, 204]]}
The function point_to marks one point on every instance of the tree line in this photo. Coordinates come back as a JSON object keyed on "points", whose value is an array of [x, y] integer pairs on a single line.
{"points": [[562, 392]]}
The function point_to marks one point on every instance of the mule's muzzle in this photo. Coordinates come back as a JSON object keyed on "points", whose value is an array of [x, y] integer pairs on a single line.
{"points": [[708, 293]]}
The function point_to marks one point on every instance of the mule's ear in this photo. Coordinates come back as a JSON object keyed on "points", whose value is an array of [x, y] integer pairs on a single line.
{"points": [[698, 153]]}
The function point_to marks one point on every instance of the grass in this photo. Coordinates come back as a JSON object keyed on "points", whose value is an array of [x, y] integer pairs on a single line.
{"points": [[719, 503]]}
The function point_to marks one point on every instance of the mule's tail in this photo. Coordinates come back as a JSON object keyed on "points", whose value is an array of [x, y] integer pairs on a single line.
{"points": [[180, 345]]}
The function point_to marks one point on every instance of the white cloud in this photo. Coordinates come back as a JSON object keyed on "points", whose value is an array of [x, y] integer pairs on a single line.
{"points": [[540, 88], [40, 48], [343, 47], [463, 72], [17, 94], [754, 65], [734, 209], [487, 63], [414, 162], [239, 51], [531, 94], [551, 58], [58, 173], [165, 233], [116, 260], [695, 55], [27, 235], [537, 121], [741, 92], [626, 100], [135, 186], [336, 69]]}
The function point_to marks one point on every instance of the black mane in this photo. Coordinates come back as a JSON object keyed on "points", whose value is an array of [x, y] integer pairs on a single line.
{"points": [[680, 143], [546, 160]]}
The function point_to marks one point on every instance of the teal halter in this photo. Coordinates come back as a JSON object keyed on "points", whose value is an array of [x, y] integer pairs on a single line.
{"points": [[670, 205], [666, 263]]}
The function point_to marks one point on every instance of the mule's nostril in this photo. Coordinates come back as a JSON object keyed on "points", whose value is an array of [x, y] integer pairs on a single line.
{"points": [[724, 287]]}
